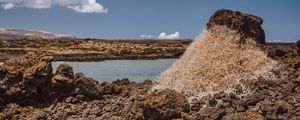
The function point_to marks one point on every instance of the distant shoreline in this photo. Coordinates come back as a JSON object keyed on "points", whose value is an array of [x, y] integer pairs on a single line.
{"points": [[86, 58], [94, 50]]}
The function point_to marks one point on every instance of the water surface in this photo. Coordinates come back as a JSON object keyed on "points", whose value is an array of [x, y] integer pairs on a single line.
{"points": [[109, 70]]}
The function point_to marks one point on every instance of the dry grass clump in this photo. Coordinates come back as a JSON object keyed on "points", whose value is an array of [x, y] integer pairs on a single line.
{"points": [[217, 61]]}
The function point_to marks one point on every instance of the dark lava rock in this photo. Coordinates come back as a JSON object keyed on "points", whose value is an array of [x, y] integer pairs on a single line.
{"points": [[63, 80], [280, 53], [65, 70], [277, 110], [244, 116], [123, 81], [250, 100], [165, 105], [211, 113], [298, 45], [246, 24], [25, 79], [86, 86]]}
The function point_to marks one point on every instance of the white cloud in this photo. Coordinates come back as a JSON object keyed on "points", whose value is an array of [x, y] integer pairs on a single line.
{"points": [[146, 36], [82, 6], [8, 6], [89, 6], [163, 35]]}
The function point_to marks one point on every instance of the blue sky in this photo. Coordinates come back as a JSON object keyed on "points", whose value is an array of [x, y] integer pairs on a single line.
{"points": [[133, 18]]}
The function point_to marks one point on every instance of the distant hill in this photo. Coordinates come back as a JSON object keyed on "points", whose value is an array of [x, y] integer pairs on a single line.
{"points": [[10, 33]]}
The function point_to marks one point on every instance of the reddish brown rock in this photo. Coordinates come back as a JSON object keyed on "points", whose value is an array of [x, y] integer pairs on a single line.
{"points": [[24, 79], [164, 105], [66, 70], [63, 79], [298, 45], [87, 87], [246, 24], [244, 116], [30, 80]]}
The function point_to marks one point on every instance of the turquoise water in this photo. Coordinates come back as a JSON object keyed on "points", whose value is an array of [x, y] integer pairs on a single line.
{"points": [[135, 70], [109, 70]]}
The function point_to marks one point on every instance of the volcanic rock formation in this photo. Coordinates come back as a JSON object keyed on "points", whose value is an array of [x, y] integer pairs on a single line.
{"points": [[29, 89], [247, 25], [23, 80], [165, 104]]}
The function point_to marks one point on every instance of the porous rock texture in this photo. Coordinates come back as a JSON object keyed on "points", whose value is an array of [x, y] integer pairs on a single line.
{"points": [[23, 80], [64, 95], [122, 99], [165, 104], [246, 24]]}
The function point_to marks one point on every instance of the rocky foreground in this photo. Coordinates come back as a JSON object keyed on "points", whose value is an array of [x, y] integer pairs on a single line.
{"points": [[30, 90]]}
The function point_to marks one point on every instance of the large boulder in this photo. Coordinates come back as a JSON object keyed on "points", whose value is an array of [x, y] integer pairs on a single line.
{"points": [[165, 105], [87, 87], [247, 25], [65, 70], [63, 80], [25, 78], [64, 76]]}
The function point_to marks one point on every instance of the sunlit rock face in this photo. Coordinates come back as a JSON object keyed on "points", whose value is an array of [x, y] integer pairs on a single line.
{"points": [[24, 80], [245, 24]]}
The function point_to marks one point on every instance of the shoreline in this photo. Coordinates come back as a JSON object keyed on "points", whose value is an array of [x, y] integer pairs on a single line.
{"points": [[94, 50], [100, 59], [6, 53]]}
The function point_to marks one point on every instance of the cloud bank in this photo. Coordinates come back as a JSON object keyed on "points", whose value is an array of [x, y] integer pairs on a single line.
{"points": [[163, 35], [146, 36], [81, 6]]}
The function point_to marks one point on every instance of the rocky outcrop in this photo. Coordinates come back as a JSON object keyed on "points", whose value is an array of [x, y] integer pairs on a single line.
{"points": [[23, 80], [247, 25], [88, 88], [28, 83], [165, 105], [29, 80], [63, 80], [123, 99], [29, 90]]}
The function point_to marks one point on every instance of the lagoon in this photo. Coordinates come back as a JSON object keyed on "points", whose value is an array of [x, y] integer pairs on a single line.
{"points": [[109, 70]]}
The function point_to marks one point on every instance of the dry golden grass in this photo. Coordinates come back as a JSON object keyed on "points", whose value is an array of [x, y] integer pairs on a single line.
{"points": [[114, 47], [217, 61]]}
